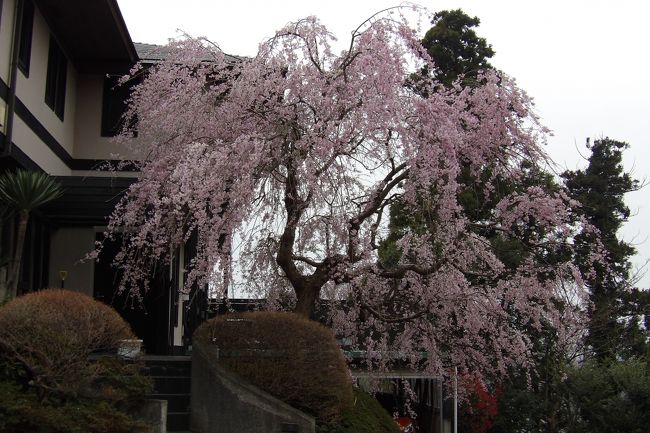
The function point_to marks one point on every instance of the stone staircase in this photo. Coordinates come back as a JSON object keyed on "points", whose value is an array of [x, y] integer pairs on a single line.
{"points": [[172, 376]]}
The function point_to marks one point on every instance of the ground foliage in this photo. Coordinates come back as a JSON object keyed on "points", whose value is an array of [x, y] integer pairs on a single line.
{"points": [[292, 358], [608, 398], [366, 415], [21, 410], [291, 160]]}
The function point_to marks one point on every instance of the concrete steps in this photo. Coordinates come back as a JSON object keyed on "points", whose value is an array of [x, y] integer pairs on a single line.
{"points": [[172, 377]]}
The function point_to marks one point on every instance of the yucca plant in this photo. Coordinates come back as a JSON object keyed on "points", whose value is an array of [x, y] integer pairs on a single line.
{"points": [[25, 191]]}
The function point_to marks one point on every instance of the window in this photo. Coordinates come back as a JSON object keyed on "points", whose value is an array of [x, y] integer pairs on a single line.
{"points": [[26, 27], [57, 69], [113, 106]]}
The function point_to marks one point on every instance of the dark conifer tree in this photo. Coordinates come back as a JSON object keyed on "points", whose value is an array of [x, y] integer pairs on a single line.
{"points": [[617, 308], [455, 48]]}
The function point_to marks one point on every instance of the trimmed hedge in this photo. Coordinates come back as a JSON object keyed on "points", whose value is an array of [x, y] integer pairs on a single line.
{"points": [[286, 355], [49, 334]]}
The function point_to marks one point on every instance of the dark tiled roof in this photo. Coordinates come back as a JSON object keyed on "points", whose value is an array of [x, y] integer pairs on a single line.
{"points": [[150, 52], [154, 53]]}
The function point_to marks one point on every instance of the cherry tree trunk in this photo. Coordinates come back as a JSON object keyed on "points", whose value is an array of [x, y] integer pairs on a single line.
{"points": [[306, 302]]}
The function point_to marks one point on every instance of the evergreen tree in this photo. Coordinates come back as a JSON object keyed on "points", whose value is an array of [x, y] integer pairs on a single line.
{"points": [[455, 48], [456, 51], [560, 397], [607, 397], [614, 330]]}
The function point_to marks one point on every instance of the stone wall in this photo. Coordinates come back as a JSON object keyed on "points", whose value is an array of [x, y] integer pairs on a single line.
{"points": [[154, 414]]}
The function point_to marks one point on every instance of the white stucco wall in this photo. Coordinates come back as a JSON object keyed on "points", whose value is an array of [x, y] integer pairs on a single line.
{"points": [[29, 143], [6, 29], [6, 26], [80, 131], [31, 90], [88, 142]]}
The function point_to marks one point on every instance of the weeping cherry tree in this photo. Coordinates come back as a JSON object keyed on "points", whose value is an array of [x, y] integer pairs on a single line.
{"points": [[284, 166]]}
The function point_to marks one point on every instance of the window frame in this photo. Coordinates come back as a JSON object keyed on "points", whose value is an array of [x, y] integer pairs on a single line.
{"points": [[115, 98], [26, 33], [113, 106], [56, 79]]}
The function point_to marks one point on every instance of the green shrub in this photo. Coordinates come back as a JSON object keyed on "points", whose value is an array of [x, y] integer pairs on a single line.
{"points": [[48, 335], [21, 411], [609, 397], [366, 416], [286, 355]]}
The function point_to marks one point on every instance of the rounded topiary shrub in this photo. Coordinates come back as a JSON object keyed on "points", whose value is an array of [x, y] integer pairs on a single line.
{"points": [[290, 357], [49, 335]]}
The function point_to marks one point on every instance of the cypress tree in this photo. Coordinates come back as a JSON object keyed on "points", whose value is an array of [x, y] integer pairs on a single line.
{"points": [[616, 310]]}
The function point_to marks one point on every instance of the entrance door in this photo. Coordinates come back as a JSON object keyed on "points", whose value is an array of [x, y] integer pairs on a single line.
{"points": [[149, 319]]}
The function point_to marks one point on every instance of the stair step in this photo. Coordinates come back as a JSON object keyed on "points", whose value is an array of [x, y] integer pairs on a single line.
{"points": [[172, 384], [175, 402], [170, 369], [172, 379], [178, 421], [167, 358]]}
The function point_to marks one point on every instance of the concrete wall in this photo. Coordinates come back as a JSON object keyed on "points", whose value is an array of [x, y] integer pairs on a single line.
{"points": [[67, 247], [154, 414], [224, 403]]}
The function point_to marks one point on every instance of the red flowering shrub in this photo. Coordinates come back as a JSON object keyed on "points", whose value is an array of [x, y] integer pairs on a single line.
{"points": [[482, 407]]}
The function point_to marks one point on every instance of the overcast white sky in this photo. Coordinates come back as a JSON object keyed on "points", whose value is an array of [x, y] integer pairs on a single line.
{"points": [[586, 63]]}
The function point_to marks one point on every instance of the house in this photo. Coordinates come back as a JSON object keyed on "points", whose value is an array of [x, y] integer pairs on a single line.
{"points": [[59, 108]]}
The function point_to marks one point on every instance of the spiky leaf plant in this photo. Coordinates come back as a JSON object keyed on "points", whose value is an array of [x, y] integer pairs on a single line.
{"points": [[25, 191]]}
